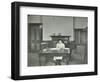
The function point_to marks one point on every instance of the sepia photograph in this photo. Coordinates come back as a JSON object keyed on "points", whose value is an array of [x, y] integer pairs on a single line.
{"points": [[57, 40]]}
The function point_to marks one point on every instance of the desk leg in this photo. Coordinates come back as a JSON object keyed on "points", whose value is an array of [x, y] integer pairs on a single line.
{"points": [[67, 59], [58, 62]]}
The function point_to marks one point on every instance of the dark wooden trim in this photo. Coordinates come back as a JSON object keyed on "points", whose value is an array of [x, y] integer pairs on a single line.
{"points": [[96, 41], [15, 42], [47, 5]]}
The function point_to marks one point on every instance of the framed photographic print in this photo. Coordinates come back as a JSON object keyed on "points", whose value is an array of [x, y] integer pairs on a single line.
{"points": [[53, 40]]}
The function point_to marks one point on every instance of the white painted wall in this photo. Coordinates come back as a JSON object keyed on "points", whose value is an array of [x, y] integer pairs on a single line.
{"points": [[5, 41]]}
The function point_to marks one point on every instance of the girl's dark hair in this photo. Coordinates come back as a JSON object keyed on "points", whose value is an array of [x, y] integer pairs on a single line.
{"points": [[60, 40]]}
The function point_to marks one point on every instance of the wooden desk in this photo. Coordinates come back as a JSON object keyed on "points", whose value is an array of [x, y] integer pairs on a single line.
{"points": [[50, 55]]}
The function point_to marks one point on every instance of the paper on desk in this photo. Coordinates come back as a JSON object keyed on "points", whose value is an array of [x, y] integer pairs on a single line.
{"points": [[57, 58]]}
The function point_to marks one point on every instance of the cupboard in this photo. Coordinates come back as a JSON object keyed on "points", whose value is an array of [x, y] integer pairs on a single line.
{"points": [[34, 37]]}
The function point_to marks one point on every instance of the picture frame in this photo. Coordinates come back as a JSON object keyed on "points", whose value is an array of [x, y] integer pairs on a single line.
{"points": [[17, 28]]}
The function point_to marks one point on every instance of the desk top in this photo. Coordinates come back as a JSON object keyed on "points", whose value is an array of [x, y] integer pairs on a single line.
{"points": [[55, 50]]}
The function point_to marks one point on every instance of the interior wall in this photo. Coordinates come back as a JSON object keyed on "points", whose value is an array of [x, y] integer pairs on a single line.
{"points": [[54, 24], [63, 25], [80, 22], [33, 19], [59, 24]]}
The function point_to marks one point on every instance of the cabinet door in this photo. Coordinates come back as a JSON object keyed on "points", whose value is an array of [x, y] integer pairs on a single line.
{"points": [[77, 36], [34, 37], [81, 36]]}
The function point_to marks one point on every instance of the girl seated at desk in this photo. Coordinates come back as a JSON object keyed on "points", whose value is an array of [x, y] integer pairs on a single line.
{"points": [[60, 45], [58, 59]]}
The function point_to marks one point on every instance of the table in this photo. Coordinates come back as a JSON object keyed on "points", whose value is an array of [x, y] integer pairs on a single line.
{"points": [[50, 54]]}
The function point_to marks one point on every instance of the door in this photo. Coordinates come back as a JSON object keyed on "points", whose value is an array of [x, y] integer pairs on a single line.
{"points": [[81, 36], [34, 37]]}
